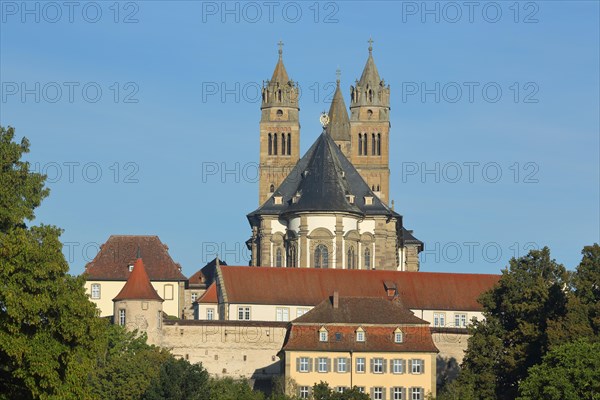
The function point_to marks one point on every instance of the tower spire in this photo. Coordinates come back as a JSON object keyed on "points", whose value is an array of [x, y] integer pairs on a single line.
{"points": [[280, 74], [370, 45], [339, 123]]}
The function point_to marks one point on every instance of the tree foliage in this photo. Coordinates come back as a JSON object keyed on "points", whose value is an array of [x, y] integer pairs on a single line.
{"points": [[322, 391]]}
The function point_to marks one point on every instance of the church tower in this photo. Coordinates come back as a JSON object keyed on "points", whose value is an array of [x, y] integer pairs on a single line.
{"points": [[370, 128], [279, 130]]}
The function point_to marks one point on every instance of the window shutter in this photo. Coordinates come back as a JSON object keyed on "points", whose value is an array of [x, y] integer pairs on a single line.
{"points": [[403, 370], [422, 366], [372, 389], [316, 364], [310, 389], [404, 397], [421, 390], [410, 364], [384, 364], [335, 365], [348, 365], [310, 365], [329, 365], [392, 366], [298, 364], [383, 393], [372, 362]]}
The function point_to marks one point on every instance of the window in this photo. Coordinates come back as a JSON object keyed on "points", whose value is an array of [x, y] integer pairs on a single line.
{"points": [[303, 363], [122, 317], [351, 262], [323, 335], [244, 313], [341, 365], [194, 296], [398, 393], [301, 311], [131, 268], [361, 389], [291, 258], [360, 365], [398, 366], [367, 258], [270, 144], [365, 141], [340, 389], [460, 320], [278, 258], [282, 314], [373, 145], [321, 256], [271, 188], [379, 144], [360, 336], [283, 143], [168, 291], [275, 144], [289, 147], [416, 393], [398, 336], [360, 144], [304, 392], [377, 393], [417, 366], [439, 319], [95, 290], [377, 365], [210, 314], [322, 364], [159, 320]]}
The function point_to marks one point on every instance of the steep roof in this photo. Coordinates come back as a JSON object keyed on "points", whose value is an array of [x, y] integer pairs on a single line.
{"points": [[138, 286], [323, 177], [206, 275], [309, 286], [370, 74], [119, 252], [339, 123], [210, 296], [359, 310]]}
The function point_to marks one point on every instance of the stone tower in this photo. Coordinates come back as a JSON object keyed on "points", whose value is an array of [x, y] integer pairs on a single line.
{"points": [[279, 130], [370, 128], [138, 306]]}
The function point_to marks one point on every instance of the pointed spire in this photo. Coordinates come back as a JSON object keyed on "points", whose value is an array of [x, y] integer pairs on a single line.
{"points": [[138, 286], [370, 74], [339, 123], [280, 74]]}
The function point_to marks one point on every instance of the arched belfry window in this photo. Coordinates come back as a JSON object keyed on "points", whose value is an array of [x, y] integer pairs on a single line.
{"points": [[278, 257], [351, 261], [379, 144], [283, 143], [275, 144], [365, 141], [367, 258], [373, 145], [270, 144], [289, 144], [360, 144], [291, 258], [321, 256], [271, 188]]}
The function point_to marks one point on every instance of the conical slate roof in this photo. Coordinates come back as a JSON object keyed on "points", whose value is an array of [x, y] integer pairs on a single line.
{"points": [[138, 286], [339, 123], [370, 74], [280, 75], [323, 180]]}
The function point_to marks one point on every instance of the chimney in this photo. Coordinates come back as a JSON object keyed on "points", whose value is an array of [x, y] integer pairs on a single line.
{"points": [[336, 299]]}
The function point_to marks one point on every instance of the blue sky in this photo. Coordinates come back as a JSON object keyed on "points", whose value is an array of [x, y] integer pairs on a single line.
{"points": [[130, 106]]}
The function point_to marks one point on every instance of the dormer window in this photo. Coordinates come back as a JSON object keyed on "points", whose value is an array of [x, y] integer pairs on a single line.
{"points": [[296, 197], [322, 334], [130, 267], [278, 200], [360, 335], [350, 198], [368, 200], [398, 336]]}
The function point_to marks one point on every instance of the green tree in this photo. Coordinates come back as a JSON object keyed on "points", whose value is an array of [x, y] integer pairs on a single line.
{"points": [[50, 335], [586, 283], [322, 391], [178, 379], [231, 389], [568, 372]]}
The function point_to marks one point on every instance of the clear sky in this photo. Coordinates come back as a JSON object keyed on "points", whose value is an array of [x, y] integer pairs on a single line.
{"points": [[145, 117]]}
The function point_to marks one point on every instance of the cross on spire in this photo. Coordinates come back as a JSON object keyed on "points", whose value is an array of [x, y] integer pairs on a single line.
{"points": [[338, 74], [280, 44], [370, 44]]}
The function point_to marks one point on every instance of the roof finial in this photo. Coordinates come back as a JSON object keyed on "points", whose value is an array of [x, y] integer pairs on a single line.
{"points": [[217, 261], [370, 45], [338, 74], [139, 253], [280, 44]]}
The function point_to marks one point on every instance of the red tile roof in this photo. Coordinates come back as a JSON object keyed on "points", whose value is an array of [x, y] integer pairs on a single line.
{"points": [[138, 286], [210, 296], [378, 339], [113, 260], [206, 275], [309, 286]]}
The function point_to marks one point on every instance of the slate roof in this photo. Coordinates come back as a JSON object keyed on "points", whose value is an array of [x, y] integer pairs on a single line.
{"points": [[378, 317], [309, 286], [120, 251], [339, 123], [323, 178], [138, 286], [206, 275]]}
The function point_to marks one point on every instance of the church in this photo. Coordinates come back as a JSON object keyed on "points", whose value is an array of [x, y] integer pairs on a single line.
{"points": [[328, 209]]}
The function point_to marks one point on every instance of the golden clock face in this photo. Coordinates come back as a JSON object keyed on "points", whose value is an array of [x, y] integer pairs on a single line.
{"points": [[324, 119]]}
